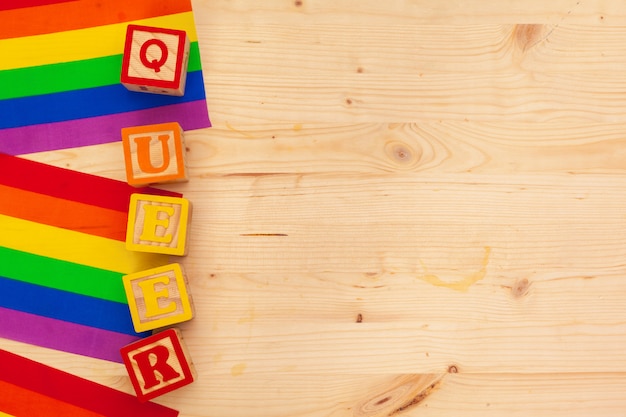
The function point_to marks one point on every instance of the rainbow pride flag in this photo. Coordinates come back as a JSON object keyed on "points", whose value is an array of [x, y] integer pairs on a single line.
{"points": [[29, 388], [60, 73], [62, 258]]}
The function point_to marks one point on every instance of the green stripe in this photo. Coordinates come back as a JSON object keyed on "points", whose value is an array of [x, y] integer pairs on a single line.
{"points": [[62, 275], [70, 76]]}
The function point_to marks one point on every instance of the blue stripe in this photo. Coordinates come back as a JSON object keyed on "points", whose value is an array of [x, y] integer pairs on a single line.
{"points": [[90, 102], [66, 306]]}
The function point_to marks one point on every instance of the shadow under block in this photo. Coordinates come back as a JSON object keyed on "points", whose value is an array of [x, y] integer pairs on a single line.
{"points": [[158, 364], [158, 224], [154, 154], [155, 60], [158, 297]]}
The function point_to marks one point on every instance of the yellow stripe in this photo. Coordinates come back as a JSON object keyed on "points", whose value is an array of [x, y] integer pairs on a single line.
{"points": [[5, 414], [76, 45], [76, 247]]}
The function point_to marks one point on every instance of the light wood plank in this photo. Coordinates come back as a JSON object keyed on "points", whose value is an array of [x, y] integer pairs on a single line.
{"points": [[364, 73], [324, 50], [426, 147], [336, 323], [312, 395], [500, 299], [367, 12], [356, 396], [378, 98], [389, 223]]}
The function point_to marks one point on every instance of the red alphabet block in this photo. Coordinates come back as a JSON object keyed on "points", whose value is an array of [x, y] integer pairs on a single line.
{"points": [[158, 364], [155, 60]]}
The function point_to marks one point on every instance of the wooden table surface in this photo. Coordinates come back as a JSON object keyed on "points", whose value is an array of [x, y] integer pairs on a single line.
{"points": [[404, 208]]}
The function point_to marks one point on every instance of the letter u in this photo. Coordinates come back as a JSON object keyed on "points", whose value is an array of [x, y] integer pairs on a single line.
{"points": [[144, 155]]}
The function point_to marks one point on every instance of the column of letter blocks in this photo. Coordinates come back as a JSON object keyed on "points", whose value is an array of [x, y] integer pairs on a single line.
{"points": [[155, 60], [158, 364], [154, 154]]}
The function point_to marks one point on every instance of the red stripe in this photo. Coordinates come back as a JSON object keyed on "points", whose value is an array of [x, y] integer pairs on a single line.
{"points": [[70, 185], [71, 389], [23, 4]]}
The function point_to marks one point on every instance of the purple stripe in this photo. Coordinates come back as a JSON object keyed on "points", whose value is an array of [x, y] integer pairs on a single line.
{"points": [[97, 130], [61, 335]]}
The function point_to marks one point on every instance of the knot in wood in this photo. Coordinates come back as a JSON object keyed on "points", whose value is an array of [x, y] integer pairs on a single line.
{"points": [[402, 154], [528, 35], [401, 395], [520, 288]]}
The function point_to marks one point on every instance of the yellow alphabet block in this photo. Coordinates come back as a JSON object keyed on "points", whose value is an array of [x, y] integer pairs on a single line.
{"points": [[158, 297], [158, 224]]}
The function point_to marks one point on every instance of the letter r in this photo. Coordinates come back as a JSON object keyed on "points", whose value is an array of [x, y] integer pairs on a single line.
{"points": [[153, 361]]}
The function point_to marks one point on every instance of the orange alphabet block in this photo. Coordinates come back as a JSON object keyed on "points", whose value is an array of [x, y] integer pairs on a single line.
{"points": [[154, 154], [158, 297], [155, 60], [158, 364], [158, 224]]}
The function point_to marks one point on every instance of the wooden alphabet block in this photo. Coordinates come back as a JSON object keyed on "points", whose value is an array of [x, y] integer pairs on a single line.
{"points": [[155, 60], [154, 154], [158, 224], [158, 297], [158, 364]]}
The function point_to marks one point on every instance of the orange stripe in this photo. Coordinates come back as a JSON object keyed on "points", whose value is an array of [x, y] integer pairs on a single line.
{"points": [[66, 214], [83, 14], [18, 401]]}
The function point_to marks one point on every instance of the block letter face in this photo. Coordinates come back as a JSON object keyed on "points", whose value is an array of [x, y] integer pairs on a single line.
{"points": [[154, 154], [158, 297], [151, 361], [155, 60], [158, 224], [158, 364]]}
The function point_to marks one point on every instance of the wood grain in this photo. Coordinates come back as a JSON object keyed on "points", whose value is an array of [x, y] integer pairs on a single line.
{"points": [[412, 49], [359, 73], [430, 147], [313, 394], [404, 208], [243, 13], [397, 99]]}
